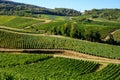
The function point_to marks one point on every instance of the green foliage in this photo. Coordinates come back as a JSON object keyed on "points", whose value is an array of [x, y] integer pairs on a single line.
{"points": [[111, 72], [116, 36], [54, 17], [20, 22], [79, 31], [85, 29], [13, 8], [110, 14], [8, 60], [48, 26], [12, 40], [65, 12], [9, 76], [53, 68], [56, 69], [104, 27], [4, 19]]}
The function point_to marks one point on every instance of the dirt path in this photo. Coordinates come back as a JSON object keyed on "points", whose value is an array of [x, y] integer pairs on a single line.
{"points": [[107, 37], [66, 54]]}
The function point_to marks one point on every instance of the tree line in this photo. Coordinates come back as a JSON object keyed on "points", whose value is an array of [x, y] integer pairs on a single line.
{"points": [[75, 31]]}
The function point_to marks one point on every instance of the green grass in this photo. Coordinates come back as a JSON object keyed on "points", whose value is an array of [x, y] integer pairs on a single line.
{"points": [[12, 40], [4, 19], [54, 17], [116, 36], [20, 22], [49, 25]]}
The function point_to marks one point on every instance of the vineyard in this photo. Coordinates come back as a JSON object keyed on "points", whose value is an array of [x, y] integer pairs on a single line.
{"points": [[21, 41], [14, 60], [116, 36], [59, 48], [81, 29], [111, 72], [103, 28], [54, 17], [4, 19], [57, 43], [43, 67], [17, 22]]}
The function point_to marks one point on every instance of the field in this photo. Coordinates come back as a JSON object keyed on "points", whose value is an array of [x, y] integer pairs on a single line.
{"points": [[39, 43], [34, 66], [42, 33], [39, 25], [54, 17], [104, 28], [4, 19], [20, 22], [13, 40]]}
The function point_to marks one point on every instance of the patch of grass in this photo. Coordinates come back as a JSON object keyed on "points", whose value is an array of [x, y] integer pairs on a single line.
{"points": [[4, 19], [116, 36], [20, 22], [54, 17]]}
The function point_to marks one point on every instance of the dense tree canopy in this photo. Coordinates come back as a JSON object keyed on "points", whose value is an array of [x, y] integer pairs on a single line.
{"points": [[13, 8]]}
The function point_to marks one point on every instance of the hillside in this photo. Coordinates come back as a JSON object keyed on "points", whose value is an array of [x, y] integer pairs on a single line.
{"points": [[38, 43], [109, 14], [21, 9]]}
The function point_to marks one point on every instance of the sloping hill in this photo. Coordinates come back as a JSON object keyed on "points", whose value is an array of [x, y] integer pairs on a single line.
{"points": [[21, 9], [24, 41], [109, 14]]}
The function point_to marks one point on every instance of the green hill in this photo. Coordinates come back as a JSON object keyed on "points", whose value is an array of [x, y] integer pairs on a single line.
{"points": [[109, 14], [21, 9]]}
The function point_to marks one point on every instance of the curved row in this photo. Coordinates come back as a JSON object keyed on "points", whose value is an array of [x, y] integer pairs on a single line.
{"points": [[20, 41], [111, 72]]}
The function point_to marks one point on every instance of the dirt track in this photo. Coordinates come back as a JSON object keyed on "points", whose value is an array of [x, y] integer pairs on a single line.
{"points": [[107, 37], [65, 53]]}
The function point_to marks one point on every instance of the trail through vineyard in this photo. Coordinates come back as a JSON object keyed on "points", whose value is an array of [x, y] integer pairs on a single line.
{"points": [[65, 54], [107, 37]]}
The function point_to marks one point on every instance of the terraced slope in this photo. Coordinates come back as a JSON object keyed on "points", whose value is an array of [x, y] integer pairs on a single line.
{"points": [[42, 67], [22, 41]]}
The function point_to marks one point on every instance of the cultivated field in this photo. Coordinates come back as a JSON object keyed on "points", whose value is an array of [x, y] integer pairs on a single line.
{"points": [[30, 50], [34, 66]]}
